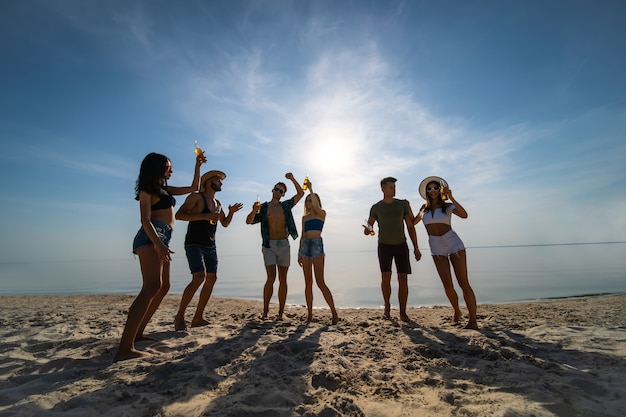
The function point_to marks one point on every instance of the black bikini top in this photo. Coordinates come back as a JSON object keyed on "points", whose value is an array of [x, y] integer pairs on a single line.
{"points": [[166, 200]]}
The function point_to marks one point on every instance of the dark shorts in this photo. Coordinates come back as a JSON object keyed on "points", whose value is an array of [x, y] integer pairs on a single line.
{"points": [[163, 230], [387, 253], [201, 258]]}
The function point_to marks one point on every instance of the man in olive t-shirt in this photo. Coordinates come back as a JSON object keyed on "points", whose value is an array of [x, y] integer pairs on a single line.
{"points": [[390, 213]]}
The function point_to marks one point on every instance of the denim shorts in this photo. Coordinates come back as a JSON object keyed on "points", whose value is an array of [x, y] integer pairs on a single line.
{"points": [[279, 253], [310, 248], [163, 230], [387, 253], [201, 258]]}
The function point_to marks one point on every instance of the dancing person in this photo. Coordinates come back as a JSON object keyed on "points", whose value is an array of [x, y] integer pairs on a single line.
{"points": [[311, 253], [445, 245], [277, 224], [156, 208], [202, 211], [392, 215]]}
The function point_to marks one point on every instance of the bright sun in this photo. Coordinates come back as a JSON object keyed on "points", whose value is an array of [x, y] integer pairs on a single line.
{"points": [[332, 153]]}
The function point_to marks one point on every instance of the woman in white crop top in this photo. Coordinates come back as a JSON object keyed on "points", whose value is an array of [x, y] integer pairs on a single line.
{"points": [[445, 245]]}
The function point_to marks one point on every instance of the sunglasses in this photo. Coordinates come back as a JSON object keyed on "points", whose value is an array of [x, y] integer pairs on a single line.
{"points": [[432, 189], [279, 190]]}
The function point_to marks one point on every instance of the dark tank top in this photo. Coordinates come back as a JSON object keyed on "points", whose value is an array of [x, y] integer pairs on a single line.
{"points": [[201, 232]]}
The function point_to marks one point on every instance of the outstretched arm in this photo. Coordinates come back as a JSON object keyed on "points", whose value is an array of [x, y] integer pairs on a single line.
{"points": [[195, 183], [420, 214], [232, 209]]}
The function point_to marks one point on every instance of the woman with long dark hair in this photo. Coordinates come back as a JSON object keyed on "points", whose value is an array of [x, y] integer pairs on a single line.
{"points": [[156, 208], [445, 245]]}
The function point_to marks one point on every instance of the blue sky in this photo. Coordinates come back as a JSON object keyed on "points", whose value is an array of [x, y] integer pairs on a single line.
{"points": [[521, 106]]}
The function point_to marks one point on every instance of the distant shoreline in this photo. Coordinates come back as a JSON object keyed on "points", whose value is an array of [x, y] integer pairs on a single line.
{"points": [[254, 300]]}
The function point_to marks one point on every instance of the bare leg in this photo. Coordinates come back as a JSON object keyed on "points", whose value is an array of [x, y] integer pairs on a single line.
{"points": [[268, 289], [459, 263], [318, 265], [197, 278], [282, 290], [443, 268], [205, 294], [156, 300], [403, 295], [151, 274], [385, 286], [307, 269]]}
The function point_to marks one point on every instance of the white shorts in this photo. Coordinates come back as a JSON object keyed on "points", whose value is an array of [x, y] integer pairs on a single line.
{"points": [[279, 253], [445, 245]]}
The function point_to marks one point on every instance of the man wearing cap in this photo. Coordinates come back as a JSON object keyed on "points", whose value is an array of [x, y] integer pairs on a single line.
{"points": [[390, 213], [202, 211], [277, 224]]}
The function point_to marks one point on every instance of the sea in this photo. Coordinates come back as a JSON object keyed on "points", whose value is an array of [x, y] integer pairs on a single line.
{"points": [[498, 274]]}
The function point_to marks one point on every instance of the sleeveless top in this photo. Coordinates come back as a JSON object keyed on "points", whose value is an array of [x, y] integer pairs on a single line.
{"points": [[313, 224], [201, 232]]}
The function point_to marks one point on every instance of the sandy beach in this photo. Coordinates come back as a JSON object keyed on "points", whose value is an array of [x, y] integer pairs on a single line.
{"points": [[550, 358]]}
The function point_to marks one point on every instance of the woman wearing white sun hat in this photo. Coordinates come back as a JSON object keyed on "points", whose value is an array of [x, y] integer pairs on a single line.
{"points": [[445, 245]]}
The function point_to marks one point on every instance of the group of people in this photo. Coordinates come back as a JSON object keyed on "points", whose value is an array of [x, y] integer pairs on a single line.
{"points": [[203, 211]]}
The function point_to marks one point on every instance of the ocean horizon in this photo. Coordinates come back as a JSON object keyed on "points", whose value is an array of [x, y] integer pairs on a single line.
{"points": [[498, 274]]}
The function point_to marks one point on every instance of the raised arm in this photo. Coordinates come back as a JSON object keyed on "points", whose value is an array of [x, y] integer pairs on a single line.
{"points": [[296, 184], [195, 183], [458, 210], [315, 205], [250, 217]]}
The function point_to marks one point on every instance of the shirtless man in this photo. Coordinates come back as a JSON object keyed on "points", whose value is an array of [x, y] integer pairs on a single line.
{"points": [[277, 224]]}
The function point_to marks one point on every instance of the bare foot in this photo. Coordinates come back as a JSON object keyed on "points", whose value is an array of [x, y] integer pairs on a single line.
{"points": [[387, 314], [405, 318], [131, 354], [309, 319], [472, 325], [457, 316], [180, 325], [199, 323], [335, 319]]}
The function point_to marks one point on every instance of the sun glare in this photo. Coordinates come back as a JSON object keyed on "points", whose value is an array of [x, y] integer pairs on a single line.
{"points": [[332, 154]]}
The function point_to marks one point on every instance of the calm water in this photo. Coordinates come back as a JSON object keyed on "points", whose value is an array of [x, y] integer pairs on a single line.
{"points": [[498, 274]]}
